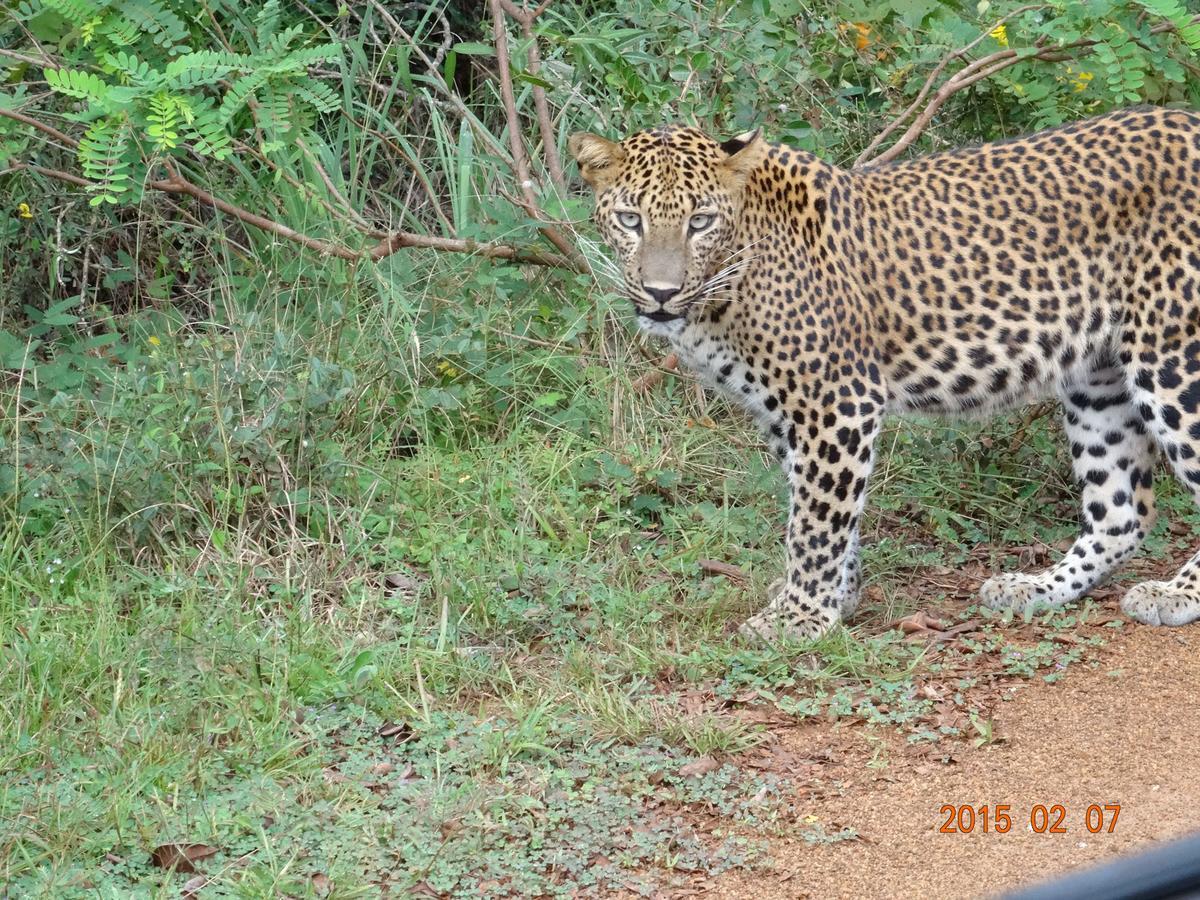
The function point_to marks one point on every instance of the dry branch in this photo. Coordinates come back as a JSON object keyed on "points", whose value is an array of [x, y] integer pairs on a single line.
{"points": [[178, 185], [517, 142], [865, 157], [40, 126], [971, 73], [526, 18], [979, 70]]}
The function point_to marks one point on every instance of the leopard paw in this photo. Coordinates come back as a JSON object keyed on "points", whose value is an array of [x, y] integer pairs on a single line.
{"points": [[1016, 591], [783, 620], [1160, 603]]}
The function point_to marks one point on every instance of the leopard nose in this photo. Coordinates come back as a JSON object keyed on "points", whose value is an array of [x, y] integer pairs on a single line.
{"points": [[661, 294]]}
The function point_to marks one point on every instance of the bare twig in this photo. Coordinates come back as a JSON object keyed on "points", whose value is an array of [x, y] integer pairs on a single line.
{"points": [[16, 166], [526, 18], [865, 156], [40, 126], [533, 255], [1170, 26], [971, 73], [517, 144], [717, 567], [968, 75], [978, 71], [31, 60], [178, 185]]}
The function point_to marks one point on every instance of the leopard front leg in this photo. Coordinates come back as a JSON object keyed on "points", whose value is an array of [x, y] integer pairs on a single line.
{"points": [[827, 475]]}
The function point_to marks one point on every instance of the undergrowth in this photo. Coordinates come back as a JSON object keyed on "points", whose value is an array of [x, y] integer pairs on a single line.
{"points": [[380, 575], [257, 598]]}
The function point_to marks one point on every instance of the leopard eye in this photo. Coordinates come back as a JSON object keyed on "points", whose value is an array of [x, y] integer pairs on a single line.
{"points": [[630, 220], [700, 221]]}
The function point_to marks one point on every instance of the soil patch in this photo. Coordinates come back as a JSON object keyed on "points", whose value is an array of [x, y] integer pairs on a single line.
{"points": [[1118, 732]]}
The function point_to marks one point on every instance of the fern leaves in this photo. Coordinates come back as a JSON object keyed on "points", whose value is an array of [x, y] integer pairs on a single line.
{"points": [[76, 83], [166, 114], [203, 69], [105, 155], [142, 93], [1178, 16], [155, 19]]}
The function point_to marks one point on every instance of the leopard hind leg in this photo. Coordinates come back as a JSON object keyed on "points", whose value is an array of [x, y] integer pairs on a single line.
{"points": [[1113, 461], [1168, 398]]}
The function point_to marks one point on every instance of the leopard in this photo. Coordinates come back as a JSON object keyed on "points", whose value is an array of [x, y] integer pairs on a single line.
{"points": [[1062, 266]]}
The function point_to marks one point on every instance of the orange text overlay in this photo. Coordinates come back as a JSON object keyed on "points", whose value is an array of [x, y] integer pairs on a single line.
{"points": [[1041, 818]]}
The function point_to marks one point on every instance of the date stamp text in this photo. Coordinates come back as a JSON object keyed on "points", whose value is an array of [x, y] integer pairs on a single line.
{"points": [[1097, 818]]}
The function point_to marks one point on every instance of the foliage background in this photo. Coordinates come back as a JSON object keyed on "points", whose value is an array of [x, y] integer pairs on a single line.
{"points": [[317, 414]]}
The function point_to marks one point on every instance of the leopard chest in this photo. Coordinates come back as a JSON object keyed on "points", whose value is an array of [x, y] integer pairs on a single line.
{"points": [[720, 367]]}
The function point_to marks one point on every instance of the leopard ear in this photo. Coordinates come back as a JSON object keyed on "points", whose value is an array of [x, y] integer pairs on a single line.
{"points": [[745, 151], [594, 155]]}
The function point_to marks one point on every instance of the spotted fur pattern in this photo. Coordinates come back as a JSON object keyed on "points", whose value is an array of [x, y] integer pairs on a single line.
{"points": [[1062, 265]]}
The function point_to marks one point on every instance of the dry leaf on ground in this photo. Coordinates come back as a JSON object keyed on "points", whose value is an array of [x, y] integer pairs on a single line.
{"points": [[698, 767], [181, 857]]}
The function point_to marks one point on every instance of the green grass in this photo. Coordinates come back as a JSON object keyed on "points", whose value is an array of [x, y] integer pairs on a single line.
{"points": [[382, 577], [434, 618]]}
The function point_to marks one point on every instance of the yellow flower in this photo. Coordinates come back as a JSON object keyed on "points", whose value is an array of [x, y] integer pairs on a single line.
{"points": [[862, 33], [448, 370], [23, 211], [1000, 33], [1081, 81], [153, 341], [863, 39]]}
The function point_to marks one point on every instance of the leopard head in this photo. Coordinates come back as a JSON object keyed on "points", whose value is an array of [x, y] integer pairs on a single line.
{"points": [[668, 202]]}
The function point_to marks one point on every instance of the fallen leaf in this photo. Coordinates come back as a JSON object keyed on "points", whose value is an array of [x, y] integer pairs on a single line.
{"points": [[400, 583], [729, 570], [321, 884], [181, 857], [401, 731], [647, 382], [918, 622], [698, 767], [192, 886], [383, 768]]}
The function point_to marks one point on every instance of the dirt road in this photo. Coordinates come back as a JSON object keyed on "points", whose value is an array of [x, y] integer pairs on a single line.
{"points": [[1122, 732]]}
